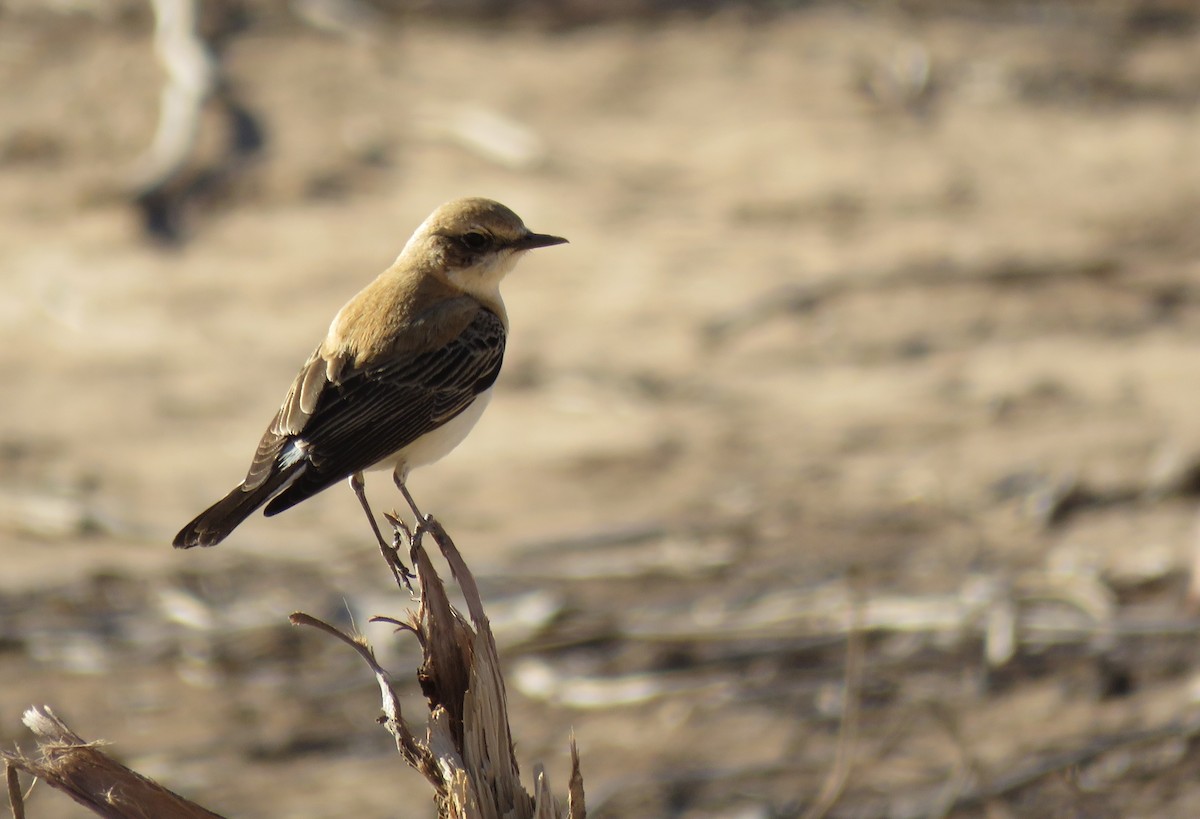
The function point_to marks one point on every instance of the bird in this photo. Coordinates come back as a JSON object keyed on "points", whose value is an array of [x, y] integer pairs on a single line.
{"points": [[402, 376]]}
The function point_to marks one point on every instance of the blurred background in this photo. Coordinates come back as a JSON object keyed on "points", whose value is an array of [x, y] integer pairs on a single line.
{"points": [[844, 464]]}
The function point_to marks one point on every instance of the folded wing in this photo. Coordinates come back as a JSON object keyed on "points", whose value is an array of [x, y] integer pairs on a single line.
{"points": [[369, 414]]}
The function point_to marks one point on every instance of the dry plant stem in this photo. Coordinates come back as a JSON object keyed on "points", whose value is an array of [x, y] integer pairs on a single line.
{"points": [[839, 775], [15, 798], [467, 752], [406, 743], [91, 778], [487, 738]]}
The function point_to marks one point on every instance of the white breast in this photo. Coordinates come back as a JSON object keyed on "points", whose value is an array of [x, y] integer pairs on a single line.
{"points": [[433, 446]]}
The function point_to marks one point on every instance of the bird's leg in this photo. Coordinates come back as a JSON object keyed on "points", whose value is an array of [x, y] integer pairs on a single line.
{"points": [[422, 521], [390, 556], [412, 504], [356, 483]]}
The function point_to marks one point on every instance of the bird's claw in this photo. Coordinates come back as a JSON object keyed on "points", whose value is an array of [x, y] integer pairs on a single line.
{"points": [[400, 533]]}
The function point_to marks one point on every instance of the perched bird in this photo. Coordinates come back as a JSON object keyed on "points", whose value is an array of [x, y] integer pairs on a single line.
{"points": [[403, 375]]}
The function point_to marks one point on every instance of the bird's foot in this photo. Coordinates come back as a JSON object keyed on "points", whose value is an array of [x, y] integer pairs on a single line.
{"points": [[400, 533], [426, 524], [430, 524]]}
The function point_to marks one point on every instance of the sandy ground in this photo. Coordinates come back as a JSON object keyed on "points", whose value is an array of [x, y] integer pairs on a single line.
{"points": [[828, 324]]}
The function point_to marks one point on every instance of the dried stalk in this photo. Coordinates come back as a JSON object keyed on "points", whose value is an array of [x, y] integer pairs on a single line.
{"points": [[843, 759], [467, 753], [15, 798], [93, 779]]}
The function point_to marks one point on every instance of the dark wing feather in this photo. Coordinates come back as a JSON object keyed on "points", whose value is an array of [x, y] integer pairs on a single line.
{"points": [[291, 419], [372, 413]]}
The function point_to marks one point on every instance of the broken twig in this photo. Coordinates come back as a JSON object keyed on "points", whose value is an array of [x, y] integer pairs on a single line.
{"points": [[95, 780], [467, 752]]}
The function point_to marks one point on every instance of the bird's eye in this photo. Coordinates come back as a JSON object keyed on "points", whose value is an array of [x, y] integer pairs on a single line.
{"points": [[475, 240]]}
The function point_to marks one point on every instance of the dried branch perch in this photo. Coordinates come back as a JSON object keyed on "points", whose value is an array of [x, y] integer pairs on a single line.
{"points": [[467, 753], [93, 779]]}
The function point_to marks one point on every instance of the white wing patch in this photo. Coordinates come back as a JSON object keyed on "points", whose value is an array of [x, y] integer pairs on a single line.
{"points": [[293, 452]]}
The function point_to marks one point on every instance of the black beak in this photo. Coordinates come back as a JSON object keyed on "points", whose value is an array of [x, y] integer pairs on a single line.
{"points": [[532, 240]]}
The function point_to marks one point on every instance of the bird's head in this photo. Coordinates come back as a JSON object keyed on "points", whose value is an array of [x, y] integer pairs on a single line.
{"points": [[474, 243]]}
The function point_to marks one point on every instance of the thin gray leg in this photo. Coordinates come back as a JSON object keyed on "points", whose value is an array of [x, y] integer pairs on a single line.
{"points": [[356, 483], [399, 570], [412, 504]]}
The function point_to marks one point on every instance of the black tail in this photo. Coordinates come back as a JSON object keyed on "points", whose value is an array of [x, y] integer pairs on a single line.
{"points": [[215, 523]]}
